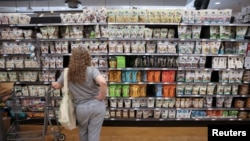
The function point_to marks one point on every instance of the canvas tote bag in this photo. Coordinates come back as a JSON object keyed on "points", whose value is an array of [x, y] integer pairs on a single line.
{"points": [[67, 116]]}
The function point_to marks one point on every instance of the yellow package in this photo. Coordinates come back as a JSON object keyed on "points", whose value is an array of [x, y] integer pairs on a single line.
{"points": [[177, 15], [127, 16], [134, 16], [143, 90], [142, 16], [134, 91], [170, 16], [164, 18], [120, 16], [111, 16]]}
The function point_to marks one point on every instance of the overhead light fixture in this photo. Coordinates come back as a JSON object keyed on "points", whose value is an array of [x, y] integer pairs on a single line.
{"points": [[73, 3], [217, 3], [201, 4]]}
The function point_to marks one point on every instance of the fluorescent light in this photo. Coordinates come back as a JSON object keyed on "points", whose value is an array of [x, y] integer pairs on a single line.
{"points": [[217, 3]]}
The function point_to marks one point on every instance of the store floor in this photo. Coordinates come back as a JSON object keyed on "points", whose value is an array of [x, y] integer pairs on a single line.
{"points": [[141, 134]]}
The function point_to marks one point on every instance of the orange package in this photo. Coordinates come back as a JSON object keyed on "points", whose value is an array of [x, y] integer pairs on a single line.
{"points": [[169, 90], [142, 90], [157, 76], [111, 76], [150, 76], [172, 90], [168, 76], [118, 76], [166, 91], [219, 113], [165, 76], [209, 113]]}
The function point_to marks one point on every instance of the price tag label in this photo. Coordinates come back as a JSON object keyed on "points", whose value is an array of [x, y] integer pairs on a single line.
{"points": [[247, 63]]}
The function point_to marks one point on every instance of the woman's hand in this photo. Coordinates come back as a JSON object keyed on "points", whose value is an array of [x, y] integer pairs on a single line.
{"points": [[56, 85]]}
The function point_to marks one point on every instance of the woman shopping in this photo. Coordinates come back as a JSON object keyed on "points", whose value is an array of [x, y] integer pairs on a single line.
{"points": [[88, 87]]}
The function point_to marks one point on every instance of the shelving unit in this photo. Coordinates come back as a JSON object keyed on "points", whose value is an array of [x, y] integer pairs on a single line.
{"points": [[151, 95], [116, 113]]}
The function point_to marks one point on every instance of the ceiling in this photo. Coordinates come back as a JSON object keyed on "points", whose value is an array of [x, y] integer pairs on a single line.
{"points": [[54, 5], [236, 5]]}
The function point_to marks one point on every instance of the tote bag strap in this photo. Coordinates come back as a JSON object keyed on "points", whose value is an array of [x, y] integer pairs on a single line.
{"points": [[65, 83]]}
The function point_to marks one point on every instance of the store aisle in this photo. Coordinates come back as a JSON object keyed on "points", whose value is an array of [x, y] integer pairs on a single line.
{"points": [[145, 134]]}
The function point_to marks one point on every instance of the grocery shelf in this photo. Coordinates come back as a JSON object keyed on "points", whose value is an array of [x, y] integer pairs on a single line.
{"points": [[72, 39], [53, 69], [143, 23], [20, 69], [177, 39], [141, 82], [179, 119], [98, 54], [22, 25], [214, 95], [175, 54], [169, 55], [219, 55], [69, 54], [178, 108], [56, 54], [139, 98], [143, 54], [184, 96], [207, 69], [109, 23], [32, 83], [42, 97], [17, 40], [215, 24], [22, 55], [69, 24], [143, 39], [210, 83], [142, 68]]}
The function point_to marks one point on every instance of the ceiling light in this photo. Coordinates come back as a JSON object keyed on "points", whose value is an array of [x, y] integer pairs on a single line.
{"points": [[72, 3], [217, 3]]}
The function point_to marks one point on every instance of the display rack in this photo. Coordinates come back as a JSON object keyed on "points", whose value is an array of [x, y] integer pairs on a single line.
{"points": [[113, 111]]}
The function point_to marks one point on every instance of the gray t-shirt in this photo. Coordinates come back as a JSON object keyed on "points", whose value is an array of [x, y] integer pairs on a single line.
{"points": [[84, 91]]}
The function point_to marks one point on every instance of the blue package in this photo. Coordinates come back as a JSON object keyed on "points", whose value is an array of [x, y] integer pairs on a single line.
{"points": [[123, 76], [134, 75], [158, 89], [128, 74]]}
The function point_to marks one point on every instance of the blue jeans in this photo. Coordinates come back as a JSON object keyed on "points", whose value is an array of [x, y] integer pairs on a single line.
{"points": [[90, 116]]}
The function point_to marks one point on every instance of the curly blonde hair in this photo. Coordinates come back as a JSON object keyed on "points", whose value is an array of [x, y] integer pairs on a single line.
{"points": [[80, 59]]}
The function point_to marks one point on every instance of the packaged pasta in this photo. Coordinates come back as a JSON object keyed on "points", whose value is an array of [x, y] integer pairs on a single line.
{"points": [[164, 16], [112, 15], [134, 16], [126, 32], [148, 33], [127, 16], [164, 33], [152, 16], [142, 16], [120, 15], [177, 15], [170, 16]]}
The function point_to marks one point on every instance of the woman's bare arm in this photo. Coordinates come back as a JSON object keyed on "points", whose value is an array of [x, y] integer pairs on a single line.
{"points": [[101, 81]]}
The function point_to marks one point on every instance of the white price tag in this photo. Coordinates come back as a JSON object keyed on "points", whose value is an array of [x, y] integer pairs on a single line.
{"points": [[247, 62]]}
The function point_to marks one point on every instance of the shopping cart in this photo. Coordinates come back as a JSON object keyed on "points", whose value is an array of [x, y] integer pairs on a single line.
{"points": [[36, 129]]}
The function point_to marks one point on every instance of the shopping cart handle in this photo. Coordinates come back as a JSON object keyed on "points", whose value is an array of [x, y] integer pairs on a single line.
{"points": [[50, 89]]}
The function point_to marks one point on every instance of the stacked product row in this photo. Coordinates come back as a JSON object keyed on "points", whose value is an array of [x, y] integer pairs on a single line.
{"points": [[172, 108]]}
